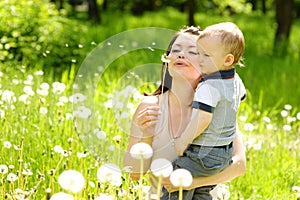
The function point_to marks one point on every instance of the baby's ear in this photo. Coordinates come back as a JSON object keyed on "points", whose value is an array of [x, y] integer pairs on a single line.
{"points": [[229, 59]]}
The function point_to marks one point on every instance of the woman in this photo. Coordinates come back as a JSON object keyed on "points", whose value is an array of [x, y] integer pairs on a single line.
{"points": [[162, 116]]}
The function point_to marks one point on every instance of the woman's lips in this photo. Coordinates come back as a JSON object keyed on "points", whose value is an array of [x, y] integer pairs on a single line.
{"points": [[181, 63]]}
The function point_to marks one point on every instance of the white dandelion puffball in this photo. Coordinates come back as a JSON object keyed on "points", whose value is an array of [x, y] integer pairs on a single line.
{"points": [[161, 167], [71, 180], [110, 173], [61, 196], [141, 150], [181, 178]]}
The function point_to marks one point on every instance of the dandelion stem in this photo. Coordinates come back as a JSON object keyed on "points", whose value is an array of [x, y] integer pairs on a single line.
{"points": [[159, 187], [162, 84], [180, 193], [141, 179]]}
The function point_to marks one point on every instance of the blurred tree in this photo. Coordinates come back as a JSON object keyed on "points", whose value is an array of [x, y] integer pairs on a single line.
{"points": [[284, 18], [191, 11], [93, 11]]}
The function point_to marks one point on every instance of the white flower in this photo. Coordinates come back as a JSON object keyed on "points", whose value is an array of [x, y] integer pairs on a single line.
{"points": [[71, 180], [105, 197], [77, 97], [249, 127], [3, 169], [24, 98], [100, 134], [2, 113], [298, 116], [284, 113], [141, 150], [7, 145], [28, 90], [181, 178], [287, 107], [43, 110], [61, 196], [11, 177], [58, 149], [63, 99], [266, 119], [221, 191], [42, 92], [108, 104], [296, 189], [69, 116], [8, 96], [287, 127], [161, 167], [58, 88], [39, 73], [110, 173], [82, 112]]}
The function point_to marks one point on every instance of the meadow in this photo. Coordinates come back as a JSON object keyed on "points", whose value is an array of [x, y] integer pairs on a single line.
{"points": [[59, 132]]}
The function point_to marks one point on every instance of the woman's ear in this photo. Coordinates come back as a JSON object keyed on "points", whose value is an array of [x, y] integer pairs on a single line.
{"points": [[229, 59]]}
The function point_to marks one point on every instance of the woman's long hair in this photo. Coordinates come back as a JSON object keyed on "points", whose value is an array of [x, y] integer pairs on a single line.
{"points": [[166, 79]]}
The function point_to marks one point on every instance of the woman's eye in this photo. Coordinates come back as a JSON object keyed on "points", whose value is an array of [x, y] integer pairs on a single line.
{"points": [[175, 51]]}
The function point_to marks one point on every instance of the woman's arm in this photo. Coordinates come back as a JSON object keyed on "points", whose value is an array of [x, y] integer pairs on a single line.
{"points": [[237, 168], [142, 130]]}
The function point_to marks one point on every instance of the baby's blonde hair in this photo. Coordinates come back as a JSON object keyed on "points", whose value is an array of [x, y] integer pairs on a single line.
{"points": [[231, 37]]}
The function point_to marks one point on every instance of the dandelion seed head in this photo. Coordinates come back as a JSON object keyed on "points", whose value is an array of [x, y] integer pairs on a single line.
{"points": [[181, 178], [71, 180], [62, 196], [105, 197], [43, 110], [11, 177], [161, 167], [288, 107], [58, 149], [284, 113], [287, 127], [7, 144], [3, 169], [82, 112], [249, 127], [141, 150], [110, 173]]}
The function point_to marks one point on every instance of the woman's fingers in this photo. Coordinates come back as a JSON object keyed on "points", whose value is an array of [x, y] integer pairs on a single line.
{"points": [[148, 116]]}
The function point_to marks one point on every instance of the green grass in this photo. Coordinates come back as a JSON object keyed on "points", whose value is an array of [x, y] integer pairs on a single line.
{"points": [[271, 138]]}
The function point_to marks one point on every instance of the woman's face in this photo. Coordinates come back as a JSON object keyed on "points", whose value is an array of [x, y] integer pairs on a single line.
{"points": [[184, 58]]}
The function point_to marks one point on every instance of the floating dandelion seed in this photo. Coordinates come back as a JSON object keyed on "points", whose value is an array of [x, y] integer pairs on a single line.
{"points": [[61, 196], [141, 150], [110, 173], [164, 58], [71, 180]]}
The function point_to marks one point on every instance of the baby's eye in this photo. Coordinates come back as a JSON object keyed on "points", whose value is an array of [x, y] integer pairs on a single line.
{"points": [[193, 53]]}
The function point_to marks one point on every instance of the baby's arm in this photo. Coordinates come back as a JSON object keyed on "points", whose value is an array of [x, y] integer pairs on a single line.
{"points": [[198, 124]]}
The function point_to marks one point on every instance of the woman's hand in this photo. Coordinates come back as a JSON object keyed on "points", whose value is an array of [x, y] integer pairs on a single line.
{"points": [[147, 118]]}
